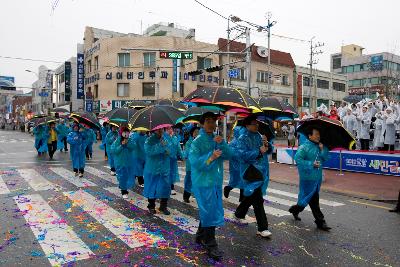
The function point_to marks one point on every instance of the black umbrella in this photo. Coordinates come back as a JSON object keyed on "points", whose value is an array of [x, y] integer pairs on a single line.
{"points": [[353, 99], [120, 116], [276, 109], [228, 98], [86, 118], [171, 102], [155, 117], [43, 121], [263, 128], [333, 134], [61, 110]]}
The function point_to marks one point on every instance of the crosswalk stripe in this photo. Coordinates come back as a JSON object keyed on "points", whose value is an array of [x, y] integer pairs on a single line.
{"points": [[321, 201], [101, 174], [58, 241], [70, 177], [130, 231], [3, 187], [36, 181], [228, 214], [183, 221]]}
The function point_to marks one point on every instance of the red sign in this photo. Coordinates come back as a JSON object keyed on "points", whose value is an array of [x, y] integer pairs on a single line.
{"points": [[300, 90]]}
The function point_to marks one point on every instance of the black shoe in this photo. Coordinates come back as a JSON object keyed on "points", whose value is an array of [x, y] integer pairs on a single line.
{"points": [[152, 210], [165, 211], [295, 214], [215, 253], [395, 210], [186, 200], [199, 241], [66, 150], [227, 190], [323, 226]]}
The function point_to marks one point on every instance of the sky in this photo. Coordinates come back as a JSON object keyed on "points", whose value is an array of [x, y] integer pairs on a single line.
{"points": [[50, 29]]}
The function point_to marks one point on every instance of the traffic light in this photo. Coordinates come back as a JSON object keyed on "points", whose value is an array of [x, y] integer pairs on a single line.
{"points": [[194, 73], [216, 68]]}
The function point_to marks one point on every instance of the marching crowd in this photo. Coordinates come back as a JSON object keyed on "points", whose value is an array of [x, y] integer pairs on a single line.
{"points": [[151, 159]]}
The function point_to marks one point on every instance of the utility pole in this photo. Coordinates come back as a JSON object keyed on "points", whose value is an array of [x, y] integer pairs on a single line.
{"points": [[248, 60], [313, 61], [235, 19]]}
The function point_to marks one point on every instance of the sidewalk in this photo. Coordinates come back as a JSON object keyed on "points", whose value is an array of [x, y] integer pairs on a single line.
{"points": [[369, 186]]}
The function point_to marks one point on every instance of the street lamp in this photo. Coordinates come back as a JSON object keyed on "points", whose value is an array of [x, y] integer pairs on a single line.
{"points": [[37, 75]]}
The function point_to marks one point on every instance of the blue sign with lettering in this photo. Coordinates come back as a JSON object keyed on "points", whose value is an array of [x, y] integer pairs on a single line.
{"points": [[377, 63], [89, 105], [175, 75], [233, 73], [8, 78], [80, 71]]}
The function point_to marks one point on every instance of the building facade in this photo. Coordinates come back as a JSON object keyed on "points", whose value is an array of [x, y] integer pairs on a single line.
{"points": [[368, 74], [41, 91], [323, 88], [280, 71], [114, 74]]}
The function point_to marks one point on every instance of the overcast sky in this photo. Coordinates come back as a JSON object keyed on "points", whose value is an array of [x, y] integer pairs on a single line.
{"points": [[31, 29]]}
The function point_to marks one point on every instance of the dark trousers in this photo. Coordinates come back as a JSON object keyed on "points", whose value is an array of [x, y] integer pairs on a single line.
{"points": [[388, 147], [206, 236], [65, 143], [52, 148], [163, 203], [105, 150], [364, 144], [140, 180], [80, 170], [314, 205], [257, 201], [87, 152]]}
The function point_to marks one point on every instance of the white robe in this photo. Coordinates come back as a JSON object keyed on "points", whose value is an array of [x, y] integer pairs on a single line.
{"points": [[378, 133], [365, 125]]}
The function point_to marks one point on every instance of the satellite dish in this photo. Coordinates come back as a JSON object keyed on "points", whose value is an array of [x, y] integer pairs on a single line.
{"points": [[262, 51]]}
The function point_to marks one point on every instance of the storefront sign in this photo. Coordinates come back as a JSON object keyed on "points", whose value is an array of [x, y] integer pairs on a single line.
{"points": [[90, 51], [175, 75], [105, 106], [89, 105], [80, 65], [92, 79], [67, 77]]}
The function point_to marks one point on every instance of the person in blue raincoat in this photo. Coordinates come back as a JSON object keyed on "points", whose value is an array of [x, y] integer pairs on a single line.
{"points": [[234, 164], [157, 183], [62, 130], [206, 156], [252, 151], [193, 133], [112, 135], [103, 132], [122, 151], [90, 139], [40, 139], [175, 153], [138, 155], [77, 142], [309, 158]]}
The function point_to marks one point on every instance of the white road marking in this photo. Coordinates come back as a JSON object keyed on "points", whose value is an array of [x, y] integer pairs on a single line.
{"points": [[37, 181], [103, 175], [70, 177], [183, 221], [130, 231], [3, 187], [58, 241]]}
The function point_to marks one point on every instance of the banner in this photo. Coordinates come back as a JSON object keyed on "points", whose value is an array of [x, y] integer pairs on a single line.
{"points": [[80, 72], [364, 162], [67, 77]]}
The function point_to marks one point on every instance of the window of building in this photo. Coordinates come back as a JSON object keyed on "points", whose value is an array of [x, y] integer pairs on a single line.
{"points": [[203, 63], [262, 76], [89, 66], [337, 63], [149, 89], [96, 63], [149, 60], [306, 102], [122, 89], [323, 84], [242, 75], [306, 81], [182, 90], [355, 83], [322, 101], [285, 80], [124, 59], [62, 77], [339, 86], [374, 81], [357, 68], [96, 91]]}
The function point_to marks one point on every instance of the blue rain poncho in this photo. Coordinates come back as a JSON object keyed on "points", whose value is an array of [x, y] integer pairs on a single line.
{"points": [[77, 143], [234, 163], [103, 131], [138, 154], [188, 176], [90, 139], [248, 146], [174, 153], [122, 159], [207, 178], [157, 183], [40, 138], [110, 139], [310, 177], [62, 132]]}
